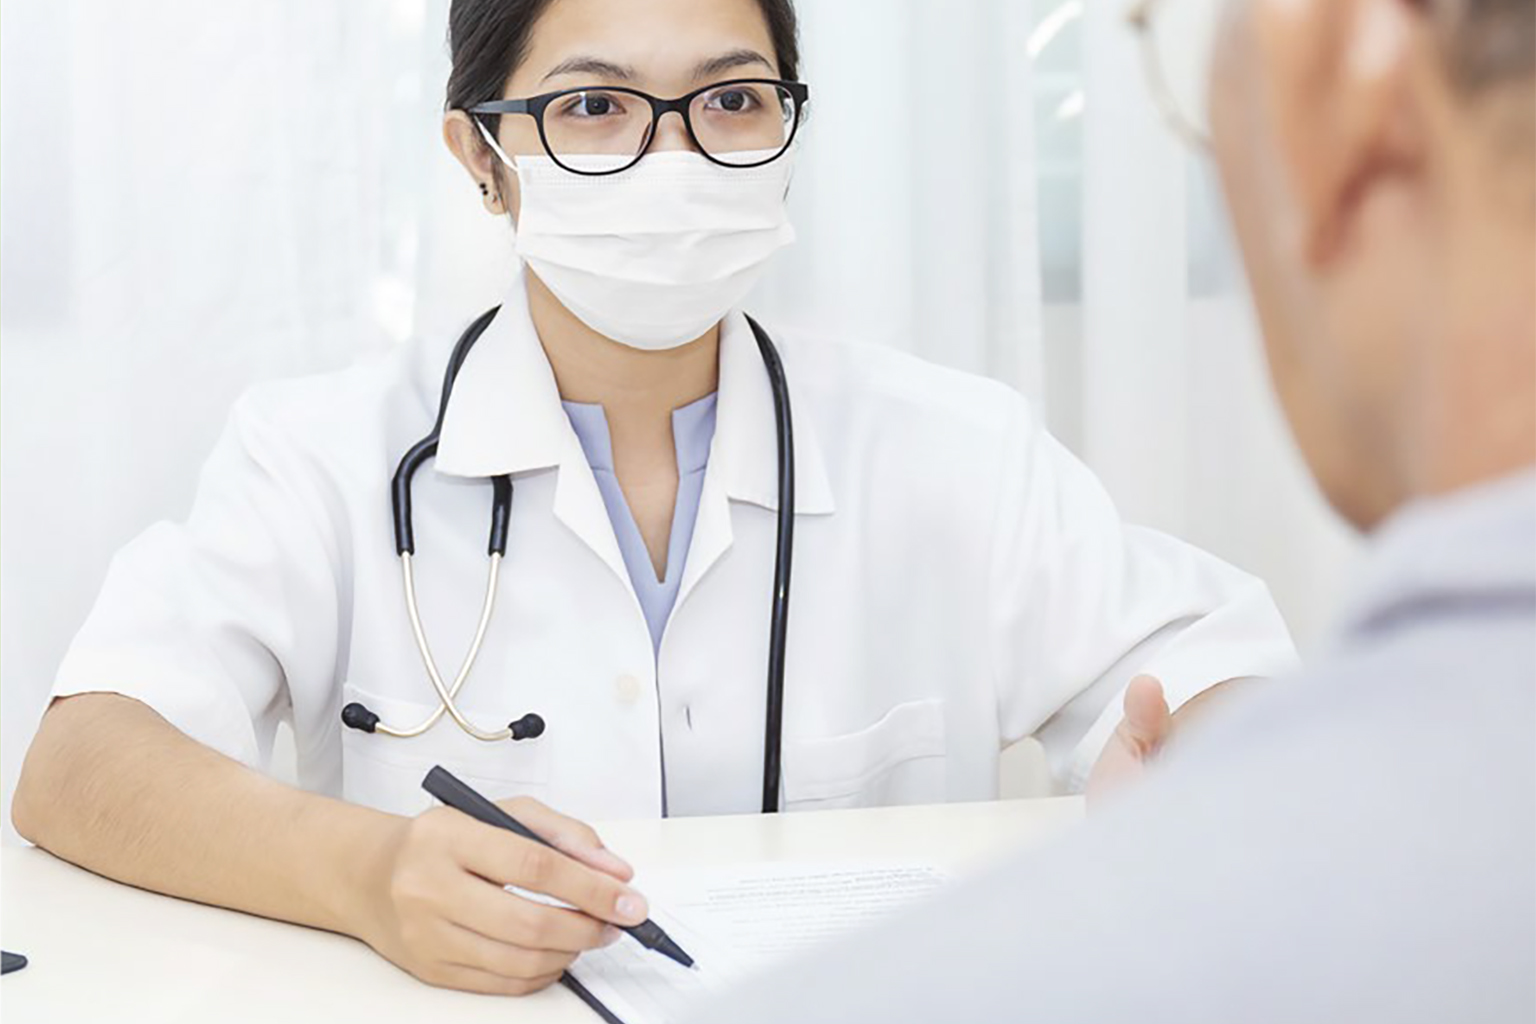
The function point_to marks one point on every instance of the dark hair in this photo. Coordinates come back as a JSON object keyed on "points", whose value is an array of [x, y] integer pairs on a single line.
{"points": [[488, 39]]}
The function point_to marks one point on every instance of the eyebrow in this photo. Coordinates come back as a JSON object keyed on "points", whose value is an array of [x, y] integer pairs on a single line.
{"points": [[606, 69], [593, 66], [730, 62]]}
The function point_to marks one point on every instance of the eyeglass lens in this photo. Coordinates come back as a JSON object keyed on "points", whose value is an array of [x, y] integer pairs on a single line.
{"points": [[740, 124]]}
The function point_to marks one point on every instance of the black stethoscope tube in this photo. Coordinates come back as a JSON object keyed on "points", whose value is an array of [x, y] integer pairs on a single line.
{"points": [[356, 716], [425, 450], [784, 556]]}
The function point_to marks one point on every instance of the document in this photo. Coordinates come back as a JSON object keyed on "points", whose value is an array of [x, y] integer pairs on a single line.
{"points": [[738, 921]]}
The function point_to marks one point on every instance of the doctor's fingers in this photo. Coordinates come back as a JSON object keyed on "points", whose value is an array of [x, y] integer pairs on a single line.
{"points": [[464, 948], [507, 859], [505, 917], [574, 837], [473, 979]]}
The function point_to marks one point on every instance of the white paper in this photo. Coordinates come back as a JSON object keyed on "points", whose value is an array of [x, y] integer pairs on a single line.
{"points": [[737, 921]]}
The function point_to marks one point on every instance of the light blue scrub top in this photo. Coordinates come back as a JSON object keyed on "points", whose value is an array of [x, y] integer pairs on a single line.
{"points": [[693, 431]]}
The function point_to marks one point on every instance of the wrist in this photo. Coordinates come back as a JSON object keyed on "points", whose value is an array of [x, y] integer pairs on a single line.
{"points": [[359, 857]]}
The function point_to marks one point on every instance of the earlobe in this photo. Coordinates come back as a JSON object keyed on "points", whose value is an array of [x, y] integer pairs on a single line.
{"points": [[492, 198]]}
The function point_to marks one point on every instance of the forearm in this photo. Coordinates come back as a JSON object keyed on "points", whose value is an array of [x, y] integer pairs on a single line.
{"points": [[113, 787]]}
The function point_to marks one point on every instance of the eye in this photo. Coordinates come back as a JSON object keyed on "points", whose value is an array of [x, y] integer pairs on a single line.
{"points": [[734, 100], [587, 105]]}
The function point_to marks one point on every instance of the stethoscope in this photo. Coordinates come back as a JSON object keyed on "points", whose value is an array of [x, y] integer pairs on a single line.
{"points": [[532, 726]]}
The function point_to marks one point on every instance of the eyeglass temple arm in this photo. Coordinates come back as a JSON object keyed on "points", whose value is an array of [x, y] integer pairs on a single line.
{"points": [[502, 107]]}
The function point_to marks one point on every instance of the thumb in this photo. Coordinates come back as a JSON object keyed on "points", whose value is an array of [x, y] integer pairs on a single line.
{"points": [[1147, 717]]}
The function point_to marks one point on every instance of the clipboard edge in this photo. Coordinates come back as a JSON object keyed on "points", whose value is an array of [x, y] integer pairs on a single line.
{"points": [[593, 1003]]}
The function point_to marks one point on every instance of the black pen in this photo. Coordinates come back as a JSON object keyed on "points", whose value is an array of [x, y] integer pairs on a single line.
{"points": [[442, 783]]}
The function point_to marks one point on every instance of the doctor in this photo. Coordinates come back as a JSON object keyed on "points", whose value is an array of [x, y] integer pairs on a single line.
{"points": [[960, 581]]}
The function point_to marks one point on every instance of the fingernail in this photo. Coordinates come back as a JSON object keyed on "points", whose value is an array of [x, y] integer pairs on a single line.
{"points": [[611, 935], [631, 907]]}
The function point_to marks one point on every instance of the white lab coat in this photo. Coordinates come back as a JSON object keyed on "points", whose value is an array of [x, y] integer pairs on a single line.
{"points": [[960, 582]]}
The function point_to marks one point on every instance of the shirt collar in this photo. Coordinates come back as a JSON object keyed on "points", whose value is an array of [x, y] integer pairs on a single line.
{"points": [[1480, 541], [693, 431], [505, 415]]}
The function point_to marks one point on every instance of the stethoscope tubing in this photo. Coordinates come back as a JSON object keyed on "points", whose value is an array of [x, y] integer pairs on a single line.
{"points": [[784, 557], [357, 716], [448, 696]]}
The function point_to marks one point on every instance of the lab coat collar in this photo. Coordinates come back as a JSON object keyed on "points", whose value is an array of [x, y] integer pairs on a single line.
{"points": [[505, 418], [745, 454], [505, 415]]}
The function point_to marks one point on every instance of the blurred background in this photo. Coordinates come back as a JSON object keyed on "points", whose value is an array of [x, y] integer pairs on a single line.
{"points": [[195, 197]]}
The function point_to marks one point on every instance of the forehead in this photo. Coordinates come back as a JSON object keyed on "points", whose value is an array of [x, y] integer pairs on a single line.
{"points": [[662, 40]]}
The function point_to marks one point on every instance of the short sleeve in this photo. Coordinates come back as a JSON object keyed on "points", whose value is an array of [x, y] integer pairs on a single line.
{"points": [[1081, 603], [211, 621]]}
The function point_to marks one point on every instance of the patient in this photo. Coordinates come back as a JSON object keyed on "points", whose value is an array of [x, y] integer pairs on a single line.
{"points": [[1370, 856]]}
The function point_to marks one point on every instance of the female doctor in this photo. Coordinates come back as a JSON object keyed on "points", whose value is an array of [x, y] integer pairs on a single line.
{"points": [[958, 581]]}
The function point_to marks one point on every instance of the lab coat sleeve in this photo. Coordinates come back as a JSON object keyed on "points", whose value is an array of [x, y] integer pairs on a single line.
{"points": [[1082, 603], [210, 621]]}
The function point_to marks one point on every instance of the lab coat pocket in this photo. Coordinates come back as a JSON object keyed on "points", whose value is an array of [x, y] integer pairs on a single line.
{"points": [[385, 772], [898, 760]]}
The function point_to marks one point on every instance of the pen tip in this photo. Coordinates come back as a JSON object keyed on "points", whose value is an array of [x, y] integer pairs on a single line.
{"points": [[672, 950]]}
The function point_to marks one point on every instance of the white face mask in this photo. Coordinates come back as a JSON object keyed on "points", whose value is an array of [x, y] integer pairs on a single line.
{"points": [[657, 255]]}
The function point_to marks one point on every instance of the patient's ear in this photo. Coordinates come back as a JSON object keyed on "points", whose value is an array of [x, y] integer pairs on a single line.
{"points": [[1344, 90]]}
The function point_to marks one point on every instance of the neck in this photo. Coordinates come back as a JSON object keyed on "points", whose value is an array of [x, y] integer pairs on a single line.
{"points": [[1475, 393], [627, 383], [638, 392], [1479, 423]]}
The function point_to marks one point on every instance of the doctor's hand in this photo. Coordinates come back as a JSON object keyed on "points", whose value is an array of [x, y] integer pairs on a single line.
{"points": [[437, 906], [1136, 741]]}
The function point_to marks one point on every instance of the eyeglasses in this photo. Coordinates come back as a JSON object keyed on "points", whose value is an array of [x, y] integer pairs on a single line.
{"points": [[598, 130], [1178, 45]]}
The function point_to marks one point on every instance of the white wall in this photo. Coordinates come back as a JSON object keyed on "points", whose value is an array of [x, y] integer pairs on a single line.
{"points": [[191, 203]]}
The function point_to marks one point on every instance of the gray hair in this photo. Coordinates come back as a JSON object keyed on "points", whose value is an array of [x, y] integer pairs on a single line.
{"points": [[1488, 43]]}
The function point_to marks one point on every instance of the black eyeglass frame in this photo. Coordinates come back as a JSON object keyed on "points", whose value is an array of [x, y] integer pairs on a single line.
{"points": [[535, 106]]}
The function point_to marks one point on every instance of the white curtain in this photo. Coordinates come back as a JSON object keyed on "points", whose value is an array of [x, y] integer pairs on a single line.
{"points": [[1176, 411], [193, 197], [197, 196]]}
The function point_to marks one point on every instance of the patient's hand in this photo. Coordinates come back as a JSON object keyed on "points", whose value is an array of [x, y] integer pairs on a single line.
{"points": [[1141, 734]]}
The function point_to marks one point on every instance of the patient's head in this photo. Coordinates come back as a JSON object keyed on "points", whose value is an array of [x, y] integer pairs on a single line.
{"points": [[1380, 159]]}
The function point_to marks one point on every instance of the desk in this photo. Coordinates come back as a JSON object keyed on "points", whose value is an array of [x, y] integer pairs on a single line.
{"points": [[104, 952]]}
